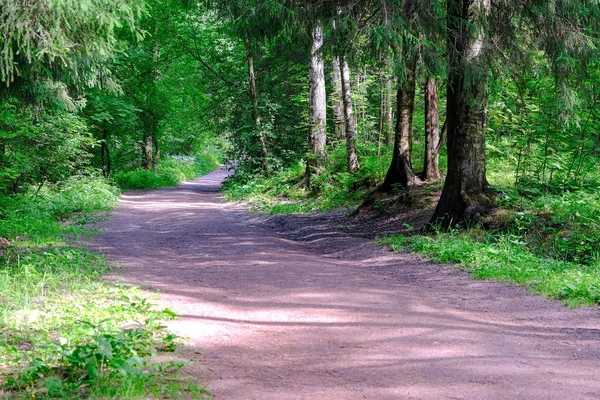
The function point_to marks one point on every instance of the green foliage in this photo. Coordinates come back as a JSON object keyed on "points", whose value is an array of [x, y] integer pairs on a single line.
{"points": [[332, 188], [171, 171], [79, 37], [47, 150], [562, 226]]}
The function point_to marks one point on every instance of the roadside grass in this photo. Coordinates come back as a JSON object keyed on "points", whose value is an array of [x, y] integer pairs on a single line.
{"points": [[506, 257], [65, 332], [171, 171]]}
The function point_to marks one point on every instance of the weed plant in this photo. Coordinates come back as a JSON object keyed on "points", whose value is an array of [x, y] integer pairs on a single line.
{"points": [[64, 332]]}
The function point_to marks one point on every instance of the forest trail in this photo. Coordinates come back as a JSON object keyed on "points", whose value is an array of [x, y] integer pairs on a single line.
{"points": [[310, 312]]}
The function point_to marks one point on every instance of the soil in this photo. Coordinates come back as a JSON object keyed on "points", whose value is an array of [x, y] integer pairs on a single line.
{"points": [[306, 307]]}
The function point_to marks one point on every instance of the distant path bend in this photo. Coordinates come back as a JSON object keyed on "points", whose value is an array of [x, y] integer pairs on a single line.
{"points": [[275, 319]]}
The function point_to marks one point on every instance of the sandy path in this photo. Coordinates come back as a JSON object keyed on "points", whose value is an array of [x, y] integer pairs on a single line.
{"points": [[277, 318]]}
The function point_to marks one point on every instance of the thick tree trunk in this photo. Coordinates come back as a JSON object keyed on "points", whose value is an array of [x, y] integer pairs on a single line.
{"points": [[337, 102], [431, 170], [463, 198], [400, 172], [351, 155], [317, 138], [255, 111]]}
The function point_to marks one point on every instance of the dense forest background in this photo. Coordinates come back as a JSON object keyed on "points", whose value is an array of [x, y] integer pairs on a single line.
{"points": [[483, 113]]}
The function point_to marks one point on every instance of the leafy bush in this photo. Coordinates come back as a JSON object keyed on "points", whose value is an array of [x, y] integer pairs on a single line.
{"points": [[171, 171]]}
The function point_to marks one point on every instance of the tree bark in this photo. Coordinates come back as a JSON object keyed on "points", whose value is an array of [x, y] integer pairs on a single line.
{"points": [[463, 198], [156, 156], [400, 172], [351, 155], [337, 102], [389, 131], [147, 148], [431, 169], [105, 152], [255, 111], [383, 103], [317, 138]]}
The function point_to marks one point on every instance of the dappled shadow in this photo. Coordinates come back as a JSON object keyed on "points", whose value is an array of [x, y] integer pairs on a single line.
{"points": [[320, 313]]}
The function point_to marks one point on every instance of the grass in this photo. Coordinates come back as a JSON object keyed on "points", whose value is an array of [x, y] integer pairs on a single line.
{"points": [[171, 171], [506, 258], [333, 188], [64, 332]]}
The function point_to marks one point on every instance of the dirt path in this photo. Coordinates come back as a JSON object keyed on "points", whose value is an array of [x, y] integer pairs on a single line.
{"points": [[329, 316]]}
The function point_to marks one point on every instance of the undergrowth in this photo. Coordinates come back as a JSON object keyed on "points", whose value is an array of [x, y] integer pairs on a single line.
{"points": [[171, 171], [64, 332], [506, 257], [279, 193]]}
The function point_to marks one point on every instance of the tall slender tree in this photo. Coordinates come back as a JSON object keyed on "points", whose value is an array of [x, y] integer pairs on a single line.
{"points": [[317, 138], [337, 101], [351, 155], [433, 140]]}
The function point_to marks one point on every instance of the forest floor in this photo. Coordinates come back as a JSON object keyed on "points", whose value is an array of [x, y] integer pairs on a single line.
{"points": [[307, 307]]}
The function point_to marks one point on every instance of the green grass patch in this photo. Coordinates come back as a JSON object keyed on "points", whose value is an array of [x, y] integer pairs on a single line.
{"points": [[506, 257], [64, 332], [279, 193], [171, 171]]}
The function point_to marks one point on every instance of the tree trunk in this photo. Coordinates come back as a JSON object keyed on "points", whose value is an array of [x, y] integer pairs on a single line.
{"points": [[317, 138], [400, 172], [156, 157], [147, 147], [255, 111], [351, 156], [463, 198], [389, 130], [105, 152], [337, 102], [431, 170], [382, 120]]}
